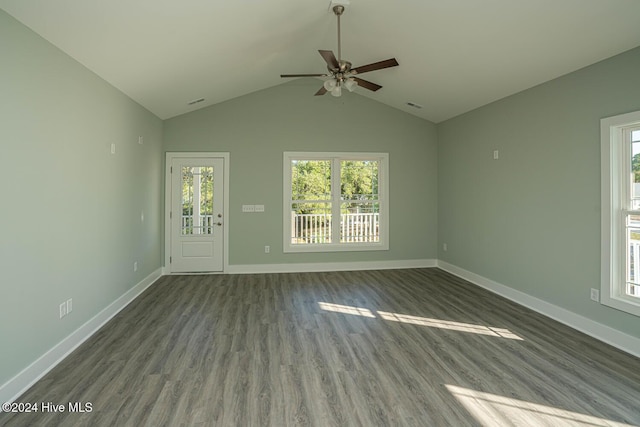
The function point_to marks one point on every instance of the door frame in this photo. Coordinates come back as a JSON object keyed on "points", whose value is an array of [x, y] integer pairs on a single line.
{"points": [[170, 155]]}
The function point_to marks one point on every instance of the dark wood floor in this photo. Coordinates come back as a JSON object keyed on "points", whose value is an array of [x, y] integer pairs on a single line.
{"points": [[377, 348]]}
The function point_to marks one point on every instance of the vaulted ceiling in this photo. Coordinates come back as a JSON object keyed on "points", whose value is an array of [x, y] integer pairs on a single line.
{"points": [[454, 55]]}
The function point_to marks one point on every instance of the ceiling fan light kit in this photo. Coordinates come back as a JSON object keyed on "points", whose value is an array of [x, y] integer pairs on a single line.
{"points": [[335, 86], [341, 73]]}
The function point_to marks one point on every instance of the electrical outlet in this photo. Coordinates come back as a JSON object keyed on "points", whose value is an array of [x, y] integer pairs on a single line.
{"points": [[444, 247], [595, 295], [69, 305], [63, 309], [258, 208], [267, 249], [248, 208], [135, 266]]}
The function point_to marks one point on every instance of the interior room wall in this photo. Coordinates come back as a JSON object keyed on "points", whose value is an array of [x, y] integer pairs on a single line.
{"points": [[530, 220], [71, 222], [75, 217], [257, 128]]}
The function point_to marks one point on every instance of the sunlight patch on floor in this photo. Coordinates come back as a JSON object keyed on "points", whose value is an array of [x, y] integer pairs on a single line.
{"points": [[492, 409], [448, 324], [422, 321], [346, 309]]}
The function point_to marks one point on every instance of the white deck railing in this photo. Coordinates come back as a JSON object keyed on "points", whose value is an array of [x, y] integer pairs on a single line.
{"points": [[316, 228], [311, 228], [634, 266], [363, 227], [206, 225]]}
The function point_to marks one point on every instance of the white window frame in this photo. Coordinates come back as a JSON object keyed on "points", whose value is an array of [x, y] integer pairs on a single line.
{"points": [[615, 188], [383, 199]]}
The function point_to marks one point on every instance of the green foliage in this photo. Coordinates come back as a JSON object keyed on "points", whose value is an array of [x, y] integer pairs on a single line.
{"points": [[635, 167], [205, 178], [311, 185], [311, 181], [358, 183]]}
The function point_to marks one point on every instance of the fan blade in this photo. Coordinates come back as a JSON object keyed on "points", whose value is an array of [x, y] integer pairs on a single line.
{"points": [[366, 84], [376, 66], [320, 91], [304, 75], [330, 58]]}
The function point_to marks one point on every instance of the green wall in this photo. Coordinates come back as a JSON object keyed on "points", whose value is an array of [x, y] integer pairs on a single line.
{"points": [[531, 220], [70, 223], [257, 128]]}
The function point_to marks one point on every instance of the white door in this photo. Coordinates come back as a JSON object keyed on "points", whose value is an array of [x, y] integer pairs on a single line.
{"points": [[196, 214]]}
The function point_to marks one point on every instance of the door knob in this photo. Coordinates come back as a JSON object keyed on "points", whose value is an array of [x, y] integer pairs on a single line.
{"points": [[219, 224]]}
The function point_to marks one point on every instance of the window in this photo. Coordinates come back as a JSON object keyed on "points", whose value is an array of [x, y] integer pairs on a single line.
{"points": [[335, 202], [620, 287]]}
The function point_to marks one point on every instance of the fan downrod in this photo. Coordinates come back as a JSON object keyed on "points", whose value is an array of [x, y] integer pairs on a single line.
{"points": [[342, 72]]}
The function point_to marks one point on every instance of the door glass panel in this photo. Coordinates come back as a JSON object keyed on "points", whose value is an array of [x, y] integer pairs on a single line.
{"points": [[197, 200]]}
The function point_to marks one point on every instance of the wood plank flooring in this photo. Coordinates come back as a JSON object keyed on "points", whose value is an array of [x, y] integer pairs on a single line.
{"points": [[415, 347]]}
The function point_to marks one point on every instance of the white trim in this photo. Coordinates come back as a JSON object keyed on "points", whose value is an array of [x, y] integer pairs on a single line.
{"points": [[613, 192], [590, 327], [13, 388], [17, 385], [330, 266], [169, 156], [336, 247]]}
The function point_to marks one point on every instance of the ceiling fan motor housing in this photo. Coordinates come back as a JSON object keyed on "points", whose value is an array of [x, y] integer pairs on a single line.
{"points": [[344, 67], [341, 72]]}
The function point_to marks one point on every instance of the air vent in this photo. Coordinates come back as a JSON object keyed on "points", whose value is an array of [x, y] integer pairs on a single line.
{"points": [[195, 101], [414, 105]]}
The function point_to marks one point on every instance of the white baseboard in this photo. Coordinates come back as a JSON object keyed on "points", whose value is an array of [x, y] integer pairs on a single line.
{"points": [[590, 327], [13, 388], [329, 266]]}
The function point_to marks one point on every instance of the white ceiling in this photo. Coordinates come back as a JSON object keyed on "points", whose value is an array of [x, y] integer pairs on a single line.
{"points": [[454, 55]]}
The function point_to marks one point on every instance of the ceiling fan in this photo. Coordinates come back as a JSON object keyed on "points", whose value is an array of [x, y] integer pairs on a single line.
{"points": [[341, 73]]}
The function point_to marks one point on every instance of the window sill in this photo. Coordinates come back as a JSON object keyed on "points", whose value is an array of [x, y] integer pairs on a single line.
{"points": [[341, 247], [621, 303]]}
